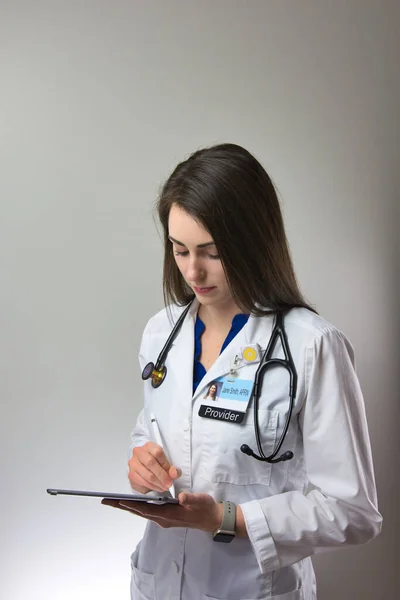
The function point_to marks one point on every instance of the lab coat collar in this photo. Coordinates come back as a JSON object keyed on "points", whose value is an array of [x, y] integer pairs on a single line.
{"points": [[256, 332]]}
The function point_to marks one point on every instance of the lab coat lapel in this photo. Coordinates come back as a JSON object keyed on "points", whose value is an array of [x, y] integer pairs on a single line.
{"points": [[183, 357], [257, 331]]}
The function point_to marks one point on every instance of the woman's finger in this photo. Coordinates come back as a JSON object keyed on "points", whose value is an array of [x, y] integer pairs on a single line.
{"points": [[174, 472], [150, 463], [140, 484], [150, 473], [165, 518]]}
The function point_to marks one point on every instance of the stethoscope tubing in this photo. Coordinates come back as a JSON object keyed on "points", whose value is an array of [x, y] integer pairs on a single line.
{"points": [[267, 362], [157, 372], [167, 346]]}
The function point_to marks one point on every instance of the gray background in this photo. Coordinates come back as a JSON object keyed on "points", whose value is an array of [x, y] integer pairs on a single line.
{"points": [[99, 100]]}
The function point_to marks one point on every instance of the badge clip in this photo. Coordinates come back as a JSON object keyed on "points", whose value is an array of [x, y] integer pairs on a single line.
{"points": [[234, 367], [249, 354]]}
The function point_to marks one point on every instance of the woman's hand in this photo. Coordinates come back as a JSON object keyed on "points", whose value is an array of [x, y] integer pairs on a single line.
{"points": [[195, 511], [149, 469]]}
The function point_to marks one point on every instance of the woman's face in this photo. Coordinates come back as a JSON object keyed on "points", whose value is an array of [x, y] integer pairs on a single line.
{"points": [[212, 390], [197, 259]]}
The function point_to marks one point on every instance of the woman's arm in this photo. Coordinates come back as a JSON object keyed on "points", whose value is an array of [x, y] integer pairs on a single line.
{"points": [[341, 506], [140, 434]]}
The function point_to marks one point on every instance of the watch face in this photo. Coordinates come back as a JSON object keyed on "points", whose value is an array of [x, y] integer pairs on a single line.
{"points": [[223, 537]]}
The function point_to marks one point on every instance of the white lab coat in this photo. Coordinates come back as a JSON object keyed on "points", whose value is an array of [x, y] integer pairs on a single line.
{"points": [[323, 498]]}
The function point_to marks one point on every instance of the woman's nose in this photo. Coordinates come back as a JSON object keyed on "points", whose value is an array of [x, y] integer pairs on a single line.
{"points": [[194, 271]]}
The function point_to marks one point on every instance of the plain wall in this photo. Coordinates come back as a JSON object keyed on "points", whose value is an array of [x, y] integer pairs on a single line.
{"points": [[99, 100]]}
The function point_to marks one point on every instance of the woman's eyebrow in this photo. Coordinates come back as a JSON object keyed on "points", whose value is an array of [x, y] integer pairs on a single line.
{"points": [[198, 245]]}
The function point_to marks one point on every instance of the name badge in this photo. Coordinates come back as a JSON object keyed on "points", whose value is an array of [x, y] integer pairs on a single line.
{"points": [[226, 399]]}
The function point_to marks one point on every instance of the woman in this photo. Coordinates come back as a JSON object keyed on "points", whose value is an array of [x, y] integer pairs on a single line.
{"points": [[226, 253], [211, 394]]}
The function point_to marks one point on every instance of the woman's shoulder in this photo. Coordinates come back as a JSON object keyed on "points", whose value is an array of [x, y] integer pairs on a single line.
{"points": [[314, 329], [305, 325], [306, 319]]}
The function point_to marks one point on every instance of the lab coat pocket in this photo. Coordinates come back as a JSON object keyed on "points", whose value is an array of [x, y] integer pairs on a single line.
{"points": [[222, 459], [142, 584]]}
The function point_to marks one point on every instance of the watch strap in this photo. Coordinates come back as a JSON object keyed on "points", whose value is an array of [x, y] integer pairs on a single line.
{"points": [[228, 525]]}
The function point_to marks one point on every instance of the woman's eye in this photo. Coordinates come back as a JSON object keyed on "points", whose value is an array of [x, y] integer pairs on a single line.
{"points": [[186, 252]]}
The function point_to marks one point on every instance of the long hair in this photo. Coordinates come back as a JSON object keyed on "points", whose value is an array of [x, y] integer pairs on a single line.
{"points": [[212, 384], [226, 190]]}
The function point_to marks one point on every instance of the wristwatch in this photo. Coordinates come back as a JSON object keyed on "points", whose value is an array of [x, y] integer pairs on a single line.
{"points": [[227, 530]]}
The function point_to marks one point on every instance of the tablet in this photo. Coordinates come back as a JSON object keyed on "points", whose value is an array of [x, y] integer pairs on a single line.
{"points": [[132, 497]]}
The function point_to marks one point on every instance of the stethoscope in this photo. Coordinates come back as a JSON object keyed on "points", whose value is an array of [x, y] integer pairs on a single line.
{"points": [[157, 372]]}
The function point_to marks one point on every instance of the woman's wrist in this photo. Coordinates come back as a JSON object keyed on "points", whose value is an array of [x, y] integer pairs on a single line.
{"points": [[241, 530], [218, 517]]}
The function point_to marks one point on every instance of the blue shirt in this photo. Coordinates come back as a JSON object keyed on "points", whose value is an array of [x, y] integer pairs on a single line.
{"points": [[199, 371]]}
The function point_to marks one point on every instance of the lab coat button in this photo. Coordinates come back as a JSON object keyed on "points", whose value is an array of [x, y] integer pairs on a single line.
{"points": [[186, 425]]}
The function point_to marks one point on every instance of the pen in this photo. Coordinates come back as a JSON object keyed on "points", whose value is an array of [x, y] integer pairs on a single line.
{"points": [[157, 435]]}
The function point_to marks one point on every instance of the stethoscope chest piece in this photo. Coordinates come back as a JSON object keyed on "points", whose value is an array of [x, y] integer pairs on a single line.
{"points": [[157, 376], [147, 371]]}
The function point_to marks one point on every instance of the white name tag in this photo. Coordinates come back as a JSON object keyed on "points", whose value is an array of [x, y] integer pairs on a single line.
{"points": [[226, 399]]}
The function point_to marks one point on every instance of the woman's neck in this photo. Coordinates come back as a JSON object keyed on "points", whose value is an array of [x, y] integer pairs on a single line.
{"points": [[218, 318]]}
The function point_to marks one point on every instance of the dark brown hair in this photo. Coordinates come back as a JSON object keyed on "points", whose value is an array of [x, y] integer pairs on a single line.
{"points": [[209, 388], [227, 191]]}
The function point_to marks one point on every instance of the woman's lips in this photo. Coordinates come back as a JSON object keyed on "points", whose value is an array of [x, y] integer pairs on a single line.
{"points": [[203, 290]]}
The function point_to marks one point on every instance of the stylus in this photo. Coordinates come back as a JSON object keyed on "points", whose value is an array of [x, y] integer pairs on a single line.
{"points": [[157, 435]]}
